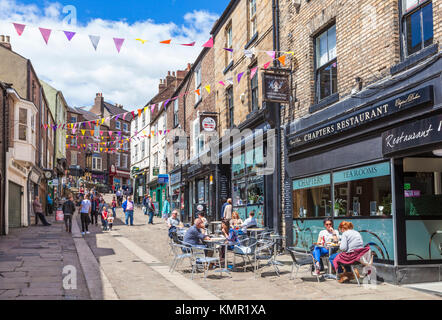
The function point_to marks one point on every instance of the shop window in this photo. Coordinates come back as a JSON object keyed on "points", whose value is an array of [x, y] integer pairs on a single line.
{"points": [[326, 64], [238, 166], [423, 186], [312, 197], [417, 21], [239, 192], [255, 190], [22, 124], [364, 191], [201, 192]]}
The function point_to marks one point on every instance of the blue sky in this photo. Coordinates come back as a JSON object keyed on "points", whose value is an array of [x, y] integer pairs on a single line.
{"points": [[130, 77], [161, 11]]}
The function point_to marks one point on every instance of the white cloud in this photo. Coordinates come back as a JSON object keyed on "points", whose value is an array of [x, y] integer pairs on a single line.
{"points": [[129, 78]]}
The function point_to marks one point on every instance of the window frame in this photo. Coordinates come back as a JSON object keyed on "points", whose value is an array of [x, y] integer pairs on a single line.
{"points": [[230, 107], [23, 125], [198, 81], [95, 161], [176, 113], [229, 44], [254, 89], [403, 26], [252, 19], [118, 125], [317, 70]]}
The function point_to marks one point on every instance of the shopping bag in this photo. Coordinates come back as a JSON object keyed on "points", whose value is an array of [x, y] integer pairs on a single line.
{"points": [[59, 216]]}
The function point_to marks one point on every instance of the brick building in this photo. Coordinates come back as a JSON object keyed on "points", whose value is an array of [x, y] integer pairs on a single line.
{"points": [[366, 89]]}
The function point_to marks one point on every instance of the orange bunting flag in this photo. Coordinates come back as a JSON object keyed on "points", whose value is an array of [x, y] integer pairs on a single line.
{"points": [[92, 132], [166, 41], [282, 60], [139, 112], [198, 92]]}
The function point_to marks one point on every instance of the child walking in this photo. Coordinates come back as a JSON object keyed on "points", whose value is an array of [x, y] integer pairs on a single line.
{"points": [[104, 218]]}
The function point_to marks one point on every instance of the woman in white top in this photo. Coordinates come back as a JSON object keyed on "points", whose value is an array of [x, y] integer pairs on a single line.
{"points": [[325, 236]]}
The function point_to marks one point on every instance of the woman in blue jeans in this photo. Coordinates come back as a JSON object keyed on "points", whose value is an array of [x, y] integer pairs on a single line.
{"points": [[128, 208], [325, 236]]}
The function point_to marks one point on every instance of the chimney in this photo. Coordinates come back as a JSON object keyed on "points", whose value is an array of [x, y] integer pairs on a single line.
{"points": [[5, 41], [170, 79], [162, 85], [98, 107], [189, 66]]}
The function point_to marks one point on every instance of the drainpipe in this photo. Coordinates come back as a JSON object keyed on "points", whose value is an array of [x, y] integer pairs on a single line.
{"points": [[5, 148]]}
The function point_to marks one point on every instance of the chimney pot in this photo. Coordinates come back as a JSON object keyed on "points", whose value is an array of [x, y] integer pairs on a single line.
{"points": [[8, 39], [168, 73]]}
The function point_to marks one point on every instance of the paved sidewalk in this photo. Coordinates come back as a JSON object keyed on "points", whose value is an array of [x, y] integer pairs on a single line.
{"points": [[32, 261]]}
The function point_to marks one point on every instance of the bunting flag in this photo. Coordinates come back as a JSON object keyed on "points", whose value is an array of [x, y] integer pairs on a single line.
{"points": [[133, 114], [116, 118], [290, 52], [152, 109], [74, 130], [228, 49], [19, 28], [166, 41], [188, 44], [209, 44], [282, 60], [240, 76], [272, 54], [207, 88], [230, 81], [102, 120], [101, 133], [165, 104], [118, 43], [83, 131], [198, 92], [222, 83], [253, 72], [89, 123], [95, 40], [69, 35], [92, 132], [46, 33], [139, 112], [267, 65], [110, 134], [141, 40]]}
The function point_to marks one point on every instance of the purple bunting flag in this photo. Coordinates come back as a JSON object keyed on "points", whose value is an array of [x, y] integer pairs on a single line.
{"points": [[69, 35]]}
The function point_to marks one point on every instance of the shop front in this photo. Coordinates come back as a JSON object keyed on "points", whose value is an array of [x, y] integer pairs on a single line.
{"points": [[378, 166], [177, 192], [158, 192]]}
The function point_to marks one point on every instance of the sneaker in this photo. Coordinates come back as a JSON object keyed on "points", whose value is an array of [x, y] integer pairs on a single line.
{"points": [[82, 233], [87, 232]]}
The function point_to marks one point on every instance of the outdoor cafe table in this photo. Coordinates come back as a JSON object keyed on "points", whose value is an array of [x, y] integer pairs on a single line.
{"points": [[214, 223], [276, 237], [222, 242], [256, 230], [329, 247]]}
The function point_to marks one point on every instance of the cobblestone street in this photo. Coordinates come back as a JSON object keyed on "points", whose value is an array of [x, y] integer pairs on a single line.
{"points": [[133, 263]]}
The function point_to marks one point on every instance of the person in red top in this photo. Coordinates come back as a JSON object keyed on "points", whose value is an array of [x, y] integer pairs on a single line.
{"points": [[104, 216], [114, 206]]}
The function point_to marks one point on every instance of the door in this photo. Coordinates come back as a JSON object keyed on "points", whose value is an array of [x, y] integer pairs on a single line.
{"points": [[14, 204]]}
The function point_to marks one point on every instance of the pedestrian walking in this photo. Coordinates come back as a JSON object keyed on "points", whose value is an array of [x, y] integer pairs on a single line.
{"points": [[38, 211], [104, 217], [85, 210], [49, 205], [227, 213], [128, 208], [68, 212], [150, 209], [166, 209], [145, 204], [94, 208], [119, 197], [114, 206]]}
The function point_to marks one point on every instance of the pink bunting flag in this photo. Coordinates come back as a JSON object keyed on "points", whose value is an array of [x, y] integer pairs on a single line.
{"points": [[89, 123], [152, 109], [222, 83], [46, 33], [19, 28], [253, 72], [69, 35], [133, 114], [272, 54], [124, 116], [209, 44], [240, 76], [118, 43], [110, 134], [188, 44], [267, 65], [101, 133]]}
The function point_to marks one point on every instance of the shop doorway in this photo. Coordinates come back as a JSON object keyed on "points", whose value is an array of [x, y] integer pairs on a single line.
{"points": [[15, 205]]}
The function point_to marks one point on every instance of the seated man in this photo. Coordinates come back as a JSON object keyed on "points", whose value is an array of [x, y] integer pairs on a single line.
{"points": [[194, 236], [201, 215], [250, 222], [173, 221]]}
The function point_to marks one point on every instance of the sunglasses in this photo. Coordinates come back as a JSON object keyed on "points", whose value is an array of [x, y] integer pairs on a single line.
{"points": [[328, 224]]}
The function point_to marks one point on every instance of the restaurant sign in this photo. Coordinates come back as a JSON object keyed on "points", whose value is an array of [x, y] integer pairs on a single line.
{"points": [[364, 116], [415, 134], [208, 123], [311, 182], [276, 87]]}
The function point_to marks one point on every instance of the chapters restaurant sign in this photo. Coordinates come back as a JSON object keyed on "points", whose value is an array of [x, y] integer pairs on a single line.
{"points": [[365, 116]]}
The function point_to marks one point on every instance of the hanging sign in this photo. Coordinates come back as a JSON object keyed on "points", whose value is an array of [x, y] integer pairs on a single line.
{"points": [[156, 172], [208, 123], [276, 87]]}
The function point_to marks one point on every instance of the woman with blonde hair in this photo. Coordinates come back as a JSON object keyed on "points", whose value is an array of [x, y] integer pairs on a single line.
{"points": [[236, 220], [352, 247]]}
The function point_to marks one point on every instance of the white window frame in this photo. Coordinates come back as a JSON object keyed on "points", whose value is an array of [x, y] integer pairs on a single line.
{"points": [[118, 161], [74, 155], [124, 164], [252, 18], [95, 162], [198, 83], [118, 125]]}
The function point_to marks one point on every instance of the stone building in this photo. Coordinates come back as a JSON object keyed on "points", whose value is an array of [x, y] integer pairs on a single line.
{"points": [[364, 76]]}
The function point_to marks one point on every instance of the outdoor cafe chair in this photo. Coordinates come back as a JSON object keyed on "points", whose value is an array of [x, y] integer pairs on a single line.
{"points": [[245, 249], [180, 252], [366, 261], [200, 258], [300, 259], [264, 251]]}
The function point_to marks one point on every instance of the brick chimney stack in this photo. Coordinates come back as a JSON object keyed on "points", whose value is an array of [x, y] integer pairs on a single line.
{"points": [[98, 107], [5, 41], [162, 85]]}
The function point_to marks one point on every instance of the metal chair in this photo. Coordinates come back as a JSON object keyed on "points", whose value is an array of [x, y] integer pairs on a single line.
{"points": [[367, 262], [264, 251], [246, 248], [199, 258], [300, 259], [180, 253]]}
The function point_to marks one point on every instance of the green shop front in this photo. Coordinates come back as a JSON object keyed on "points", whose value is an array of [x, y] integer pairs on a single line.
{"points": [[158, 192], [376, 162]]}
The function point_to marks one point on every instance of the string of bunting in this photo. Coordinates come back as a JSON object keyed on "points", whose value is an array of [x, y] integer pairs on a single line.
{"points": [[164, 103]]}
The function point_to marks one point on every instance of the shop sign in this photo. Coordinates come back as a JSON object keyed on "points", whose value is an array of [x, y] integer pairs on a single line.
{"points": [[364, 116], [113, 170], [276, 87], [34, 177], [54, 182], [207, 123], [415, 134], [163, 179], [412, 193], [311, 182], [156, 172], [373, 171], [175, 178], [135, 169]]}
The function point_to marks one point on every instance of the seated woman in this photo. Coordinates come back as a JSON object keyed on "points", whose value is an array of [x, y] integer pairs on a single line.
{"points": [[325, 236], [236, 220], [352, 247], [230, 235]]}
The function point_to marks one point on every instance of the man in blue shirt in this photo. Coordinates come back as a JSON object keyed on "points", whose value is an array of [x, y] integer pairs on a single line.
{"points": [[194, 236]]}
